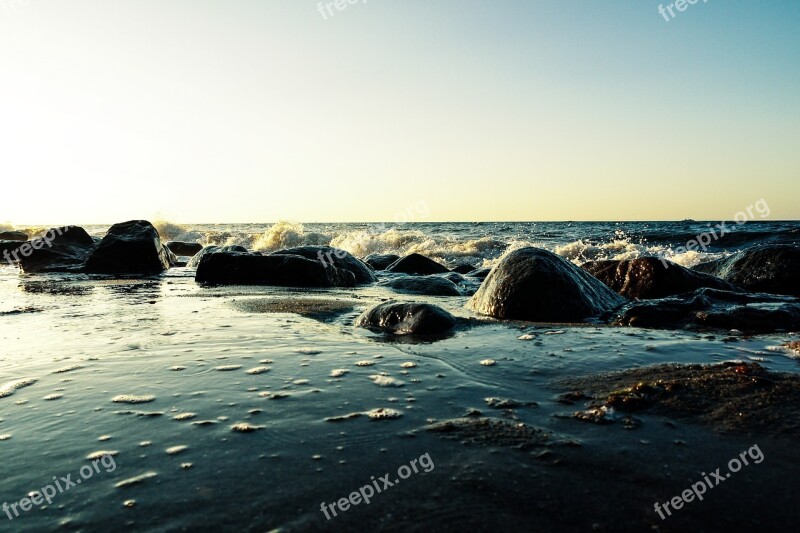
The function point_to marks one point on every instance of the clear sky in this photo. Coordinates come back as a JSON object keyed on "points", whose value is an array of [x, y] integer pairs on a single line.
{"points": [[260, 110]]}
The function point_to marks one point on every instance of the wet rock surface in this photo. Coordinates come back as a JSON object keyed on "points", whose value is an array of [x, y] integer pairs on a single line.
{"points": [[770, 268], [184, 249], [381, 261], [649, 277], [418, 265], [407, 319], [17, 236], [490, 432], [68, 250], [537, 285], [195, 261], [713, 309], [236, 268], [426, 285], [328, 255], [733, 396], [132, 247]]}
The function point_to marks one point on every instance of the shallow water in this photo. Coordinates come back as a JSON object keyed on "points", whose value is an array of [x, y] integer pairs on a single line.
{"points": [[189, 348]]}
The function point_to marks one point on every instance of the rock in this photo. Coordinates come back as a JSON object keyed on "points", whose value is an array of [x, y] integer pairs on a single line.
{"points": [[649, 277], [64, 249], [194, 261], [237, 268], [427, 285], [455, 277], [771, 268], [13, 236], [537, 285], [711, 308], [407, 319], [418, 265], [341, 259], [463, 268], [480, 273], [132, 247], [6, 247], [184, 249], [380, 261]]}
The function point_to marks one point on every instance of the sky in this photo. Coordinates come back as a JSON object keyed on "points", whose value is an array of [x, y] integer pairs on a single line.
{"points": [[265, 110]]}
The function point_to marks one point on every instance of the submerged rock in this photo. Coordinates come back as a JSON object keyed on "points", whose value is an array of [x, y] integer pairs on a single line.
{"points": [[537, 285], [328, 255], [235, 268], [480, 273], [649, 277], [418, 265], [463, 268], [490, 432], [184, 249], [381, 261], [132, 247], [64, 249], [710, 308], [771, 268], [427, 285], [730, 396], [407, 319]]}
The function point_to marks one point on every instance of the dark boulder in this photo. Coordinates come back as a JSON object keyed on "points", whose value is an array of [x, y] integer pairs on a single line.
{"points": [[455, 277], [407, 319], [237, 268], [195, 261], [536, 285], [418, 265], [64, 249], [771, 268], [480, 273], [427, 285], [463, 268], [380, 261], [184, 249], [714, 309], [13, 236], [649, 277], [132, 247], [328, 255]]}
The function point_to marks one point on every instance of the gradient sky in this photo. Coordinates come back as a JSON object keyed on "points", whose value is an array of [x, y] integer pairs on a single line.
{"points": [[245, 110]]}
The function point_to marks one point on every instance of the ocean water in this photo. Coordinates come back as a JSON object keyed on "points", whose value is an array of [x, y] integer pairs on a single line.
{"points": [[74, 349]]}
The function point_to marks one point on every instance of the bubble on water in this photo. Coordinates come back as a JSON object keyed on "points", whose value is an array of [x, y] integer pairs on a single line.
{"points": [[184, 416], [100, 454], [342, 418], [130, 398], [301, 382], [244, 427], [204, 423], [258, 370], [386, 381], [129, 503], [103, 438], [7, 389], [365, 363], [266, 361], [408, 364], [5, 437], [175, 450], [145, 443], [136, 480], [308, 351], [274, 395], [227, 368], [383, 413], [526, 337], [177, 368], [338, 372], [67, 369], [186, 466], [488, 362], [51, 397]]}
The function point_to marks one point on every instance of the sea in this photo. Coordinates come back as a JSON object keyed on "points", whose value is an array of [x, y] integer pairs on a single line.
{"points": [[221, 409]]}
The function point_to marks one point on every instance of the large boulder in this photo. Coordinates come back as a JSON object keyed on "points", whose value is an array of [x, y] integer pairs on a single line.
{"points": [[380, 261], [773, 268], [649, 277], [184, 249], [132, 247], [244, 268], [427, 285], [13, 236], [194, 262], [714, 309], [407, 319], [539, 286], [328, 255], [64, 249], [418, 265]]}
